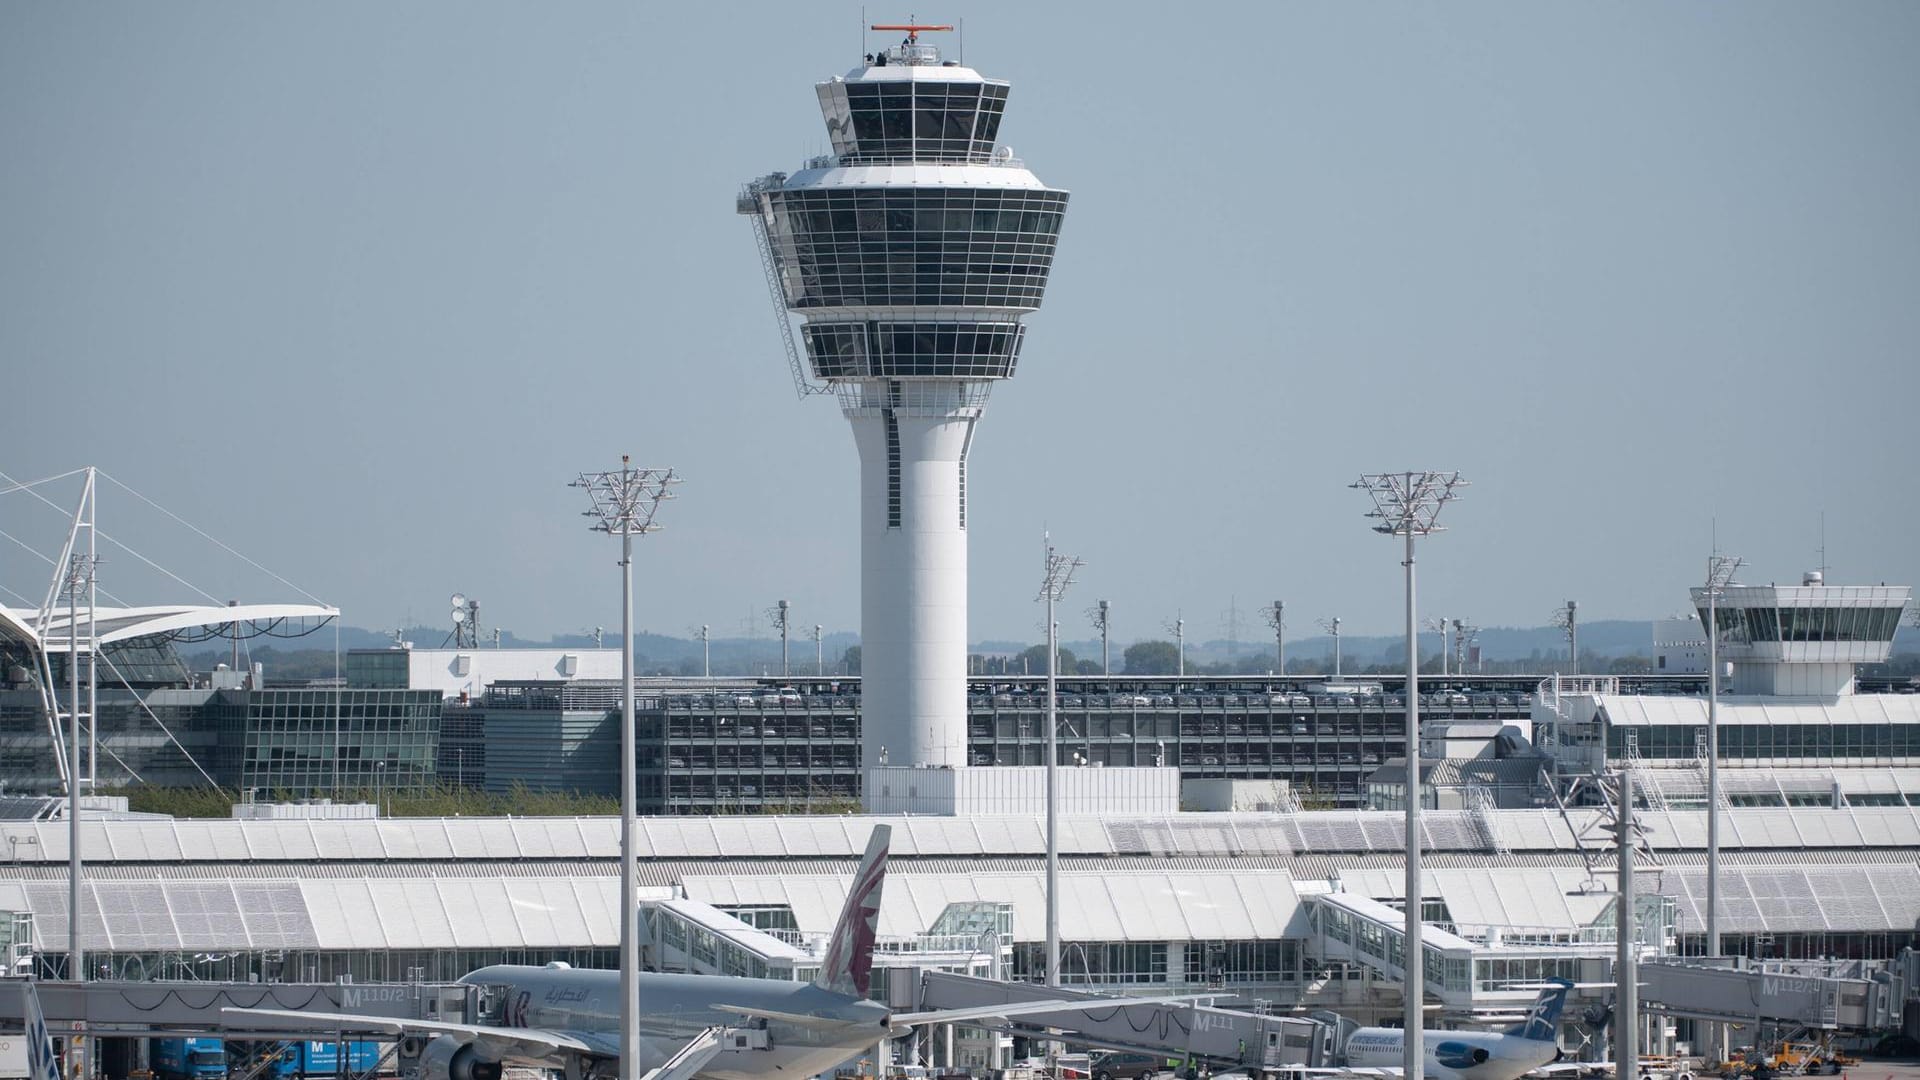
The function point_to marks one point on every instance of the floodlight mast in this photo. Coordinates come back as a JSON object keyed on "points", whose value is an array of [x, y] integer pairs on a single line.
{"points": [[1102, 615], [1567, 619], [79, 580], [1408, 504], [705, 634], [1332, 626], [781, 615], [1277, 618], [1720, 571], [623, 504], [1059, 575], [1178, 628]]}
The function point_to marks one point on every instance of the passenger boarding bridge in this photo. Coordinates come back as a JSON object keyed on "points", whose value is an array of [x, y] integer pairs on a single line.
{"points": [[1489, 976]]}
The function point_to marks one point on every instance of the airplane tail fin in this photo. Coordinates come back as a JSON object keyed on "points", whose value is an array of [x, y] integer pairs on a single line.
{"points": [[848, 965], [1543, 1021], [41, 1064]]}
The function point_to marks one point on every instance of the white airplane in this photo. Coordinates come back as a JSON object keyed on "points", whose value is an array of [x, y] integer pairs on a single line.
{"points": [[1530, 1046], [708, 1026]]}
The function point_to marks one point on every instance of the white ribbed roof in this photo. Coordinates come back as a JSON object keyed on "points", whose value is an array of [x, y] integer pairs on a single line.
{"points": [[1780, 899], [334, 913], [1542, 897], [1656, 710], [1190, 905], [1184, 835]]}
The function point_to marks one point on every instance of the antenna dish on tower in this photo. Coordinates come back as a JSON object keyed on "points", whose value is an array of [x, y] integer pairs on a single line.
{"points": [[459, 601]]}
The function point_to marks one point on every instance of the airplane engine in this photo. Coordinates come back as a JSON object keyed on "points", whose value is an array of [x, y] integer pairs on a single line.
{"points": [[448, 1058], [1455, 1055]]}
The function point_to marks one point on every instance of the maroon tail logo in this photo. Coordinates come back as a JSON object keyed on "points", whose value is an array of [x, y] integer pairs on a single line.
{"points": [[848, 964]]}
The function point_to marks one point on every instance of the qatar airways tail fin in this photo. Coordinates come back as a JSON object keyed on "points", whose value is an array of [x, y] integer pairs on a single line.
{"points": [[848, 965]]}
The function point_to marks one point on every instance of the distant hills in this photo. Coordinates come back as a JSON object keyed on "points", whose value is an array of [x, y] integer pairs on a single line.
{"points": [[1603, 640]]}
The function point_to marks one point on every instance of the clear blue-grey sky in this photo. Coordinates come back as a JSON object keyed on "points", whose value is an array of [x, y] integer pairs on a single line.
{"points": [[358, 287]]}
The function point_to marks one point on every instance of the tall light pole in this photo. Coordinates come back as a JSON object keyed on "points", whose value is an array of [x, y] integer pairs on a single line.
{"points": [[1178, 628], [1102, 616], [1277, 618], [1408, 504], [1059, 575], [1332, 626], [782, 615], [79, 580], [1568, 620], [1720, 571], [623, 504], [819, 657], [1626, 1001], [705, 634]]}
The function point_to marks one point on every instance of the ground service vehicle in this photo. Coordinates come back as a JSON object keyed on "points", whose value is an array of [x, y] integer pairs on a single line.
{"points": [[304, 1058], [189, 1059]]}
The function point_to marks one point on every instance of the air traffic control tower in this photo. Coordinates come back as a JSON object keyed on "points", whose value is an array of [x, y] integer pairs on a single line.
{"points": [[912, 253]]}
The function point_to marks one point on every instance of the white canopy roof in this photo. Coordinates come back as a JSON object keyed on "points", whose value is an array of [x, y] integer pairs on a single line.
{"points": [[123, 623]]}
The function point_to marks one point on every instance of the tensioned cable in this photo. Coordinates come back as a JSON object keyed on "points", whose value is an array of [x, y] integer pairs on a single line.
{"points": [[23, 485], [158, 567], [188, 754], [16, 595], [48, 559], [204, 535], [94, 731], [116, 543]]}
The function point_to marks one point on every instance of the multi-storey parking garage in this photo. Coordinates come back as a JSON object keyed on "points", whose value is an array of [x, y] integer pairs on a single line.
{"points": [[717, 746]]}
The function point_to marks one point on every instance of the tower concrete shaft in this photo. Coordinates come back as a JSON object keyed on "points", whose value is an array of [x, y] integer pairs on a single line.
{"points": [[912, 252]]}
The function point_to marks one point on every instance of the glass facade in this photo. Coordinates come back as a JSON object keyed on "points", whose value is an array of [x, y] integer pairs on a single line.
{"points": [[912, 119], [863, 350], [320, 741], [1862, 743], [1848, 623], [947, 247]]}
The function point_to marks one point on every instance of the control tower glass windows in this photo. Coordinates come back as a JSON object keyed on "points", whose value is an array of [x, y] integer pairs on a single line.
{"points": [[1851, 623], [947, 247], [912, 119], [905, 350]]}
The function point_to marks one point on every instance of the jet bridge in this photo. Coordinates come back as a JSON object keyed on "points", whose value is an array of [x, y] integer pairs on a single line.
{"points": [[1224, 1038], [1489, 978], [1815, 995]]}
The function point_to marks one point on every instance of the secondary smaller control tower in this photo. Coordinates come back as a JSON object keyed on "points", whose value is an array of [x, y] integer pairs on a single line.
{"points": [[912, 253]]}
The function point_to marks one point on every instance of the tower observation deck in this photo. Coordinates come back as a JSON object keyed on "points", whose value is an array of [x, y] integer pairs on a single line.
{"points": [[911, 252]]}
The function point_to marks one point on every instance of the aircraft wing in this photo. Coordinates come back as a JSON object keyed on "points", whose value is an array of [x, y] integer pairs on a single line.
{"points": [[1024, 1008], [819, 1023], [527, 1042], [1370, 1071], [689, 1059]]}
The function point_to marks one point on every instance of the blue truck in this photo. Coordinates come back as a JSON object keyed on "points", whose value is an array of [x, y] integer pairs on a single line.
{"points": [[293, 1060], [189, 1059]]}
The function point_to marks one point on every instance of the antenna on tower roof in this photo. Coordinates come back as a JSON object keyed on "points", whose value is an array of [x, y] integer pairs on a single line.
{"points": [[913, 30]]}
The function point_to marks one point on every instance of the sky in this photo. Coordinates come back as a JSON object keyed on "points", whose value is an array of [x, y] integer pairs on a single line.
{"points": [[358, 288]]}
